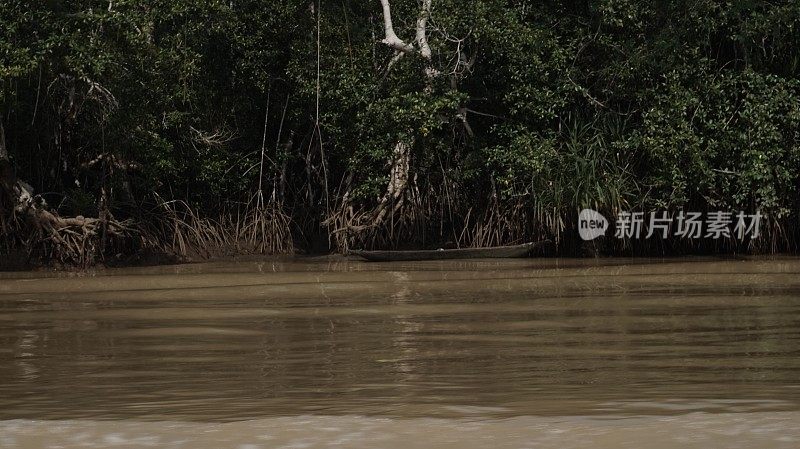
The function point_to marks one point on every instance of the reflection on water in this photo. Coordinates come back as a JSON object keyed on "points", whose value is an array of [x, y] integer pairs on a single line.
{"points": [[434, 343]]}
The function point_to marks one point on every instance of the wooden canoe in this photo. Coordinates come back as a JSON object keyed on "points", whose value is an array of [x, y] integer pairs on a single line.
{"points": [[493, 252]]}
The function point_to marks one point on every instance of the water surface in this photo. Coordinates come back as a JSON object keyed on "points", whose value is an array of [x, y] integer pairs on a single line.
{"points": [[571, 353]]}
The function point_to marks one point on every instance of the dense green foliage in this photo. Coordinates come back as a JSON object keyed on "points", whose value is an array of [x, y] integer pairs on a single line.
{"points": [[536, 110]]}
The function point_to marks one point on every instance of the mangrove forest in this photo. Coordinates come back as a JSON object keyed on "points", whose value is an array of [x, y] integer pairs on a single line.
{"points": [[136, 129]]}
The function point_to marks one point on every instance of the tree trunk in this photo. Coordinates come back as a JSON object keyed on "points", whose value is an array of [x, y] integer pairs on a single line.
{"points": [[399, 173], [3, 151], [398, 181], [6, 182]]}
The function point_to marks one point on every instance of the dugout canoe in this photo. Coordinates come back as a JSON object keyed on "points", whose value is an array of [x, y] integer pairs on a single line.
{"points": [[494, 252]]}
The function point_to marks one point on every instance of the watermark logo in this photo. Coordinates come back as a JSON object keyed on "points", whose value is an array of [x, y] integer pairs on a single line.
{"points": [[591, 224], [691, 225]]}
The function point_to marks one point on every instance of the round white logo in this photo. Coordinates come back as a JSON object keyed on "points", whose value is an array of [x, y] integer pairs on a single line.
{"points": [[591, 224]]}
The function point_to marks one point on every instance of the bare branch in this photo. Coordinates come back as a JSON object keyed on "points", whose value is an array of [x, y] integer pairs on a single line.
{"points": [[422, 24], [391, 38], [218, 138]]}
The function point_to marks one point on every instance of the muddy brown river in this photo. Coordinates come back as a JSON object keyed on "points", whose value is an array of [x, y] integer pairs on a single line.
{"points": [[305, 353]]}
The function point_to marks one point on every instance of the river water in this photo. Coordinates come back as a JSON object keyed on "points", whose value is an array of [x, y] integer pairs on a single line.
{"points": [[612, 353]]}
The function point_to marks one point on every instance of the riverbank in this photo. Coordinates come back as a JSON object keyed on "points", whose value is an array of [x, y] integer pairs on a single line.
{"points": [[19, 261]]}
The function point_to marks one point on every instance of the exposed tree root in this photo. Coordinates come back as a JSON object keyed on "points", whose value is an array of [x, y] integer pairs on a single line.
{"points": [[73, 241], [175, 229]]}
